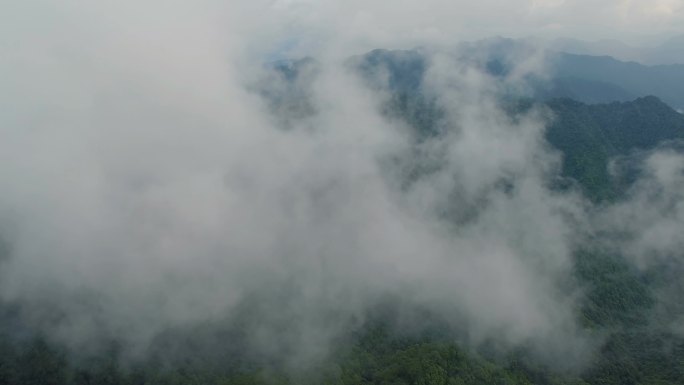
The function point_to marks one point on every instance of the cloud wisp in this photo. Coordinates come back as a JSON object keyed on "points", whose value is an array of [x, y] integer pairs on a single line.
{"points": [[146, 189]]}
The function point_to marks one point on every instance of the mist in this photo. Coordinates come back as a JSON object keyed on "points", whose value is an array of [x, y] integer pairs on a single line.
{"points": [[148, 187]]}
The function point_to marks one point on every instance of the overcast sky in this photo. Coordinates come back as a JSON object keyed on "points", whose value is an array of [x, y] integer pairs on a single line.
{"points": [[299, 27], [382, 23]]}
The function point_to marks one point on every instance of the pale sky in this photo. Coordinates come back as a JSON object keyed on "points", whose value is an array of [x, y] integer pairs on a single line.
{"points": [[351, 26], [404, 22]]}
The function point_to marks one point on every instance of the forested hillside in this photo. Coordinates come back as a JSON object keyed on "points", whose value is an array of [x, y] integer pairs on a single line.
{"points": [[590, 136], [585, 78], [626, 310]]}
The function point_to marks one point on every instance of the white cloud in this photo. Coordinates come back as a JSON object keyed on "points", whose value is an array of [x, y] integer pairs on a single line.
{"points": [[140, 171]]}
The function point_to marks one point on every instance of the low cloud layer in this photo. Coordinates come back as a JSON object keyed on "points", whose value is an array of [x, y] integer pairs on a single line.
{"points": [[649, 223], [146, 188]]}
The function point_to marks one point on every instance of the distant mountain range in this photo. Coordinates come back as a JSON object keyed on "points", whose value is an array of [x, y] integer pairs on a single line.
{"points": [[600, 112], [585, 78], [603, 108], [602, 78], [670, 51]]}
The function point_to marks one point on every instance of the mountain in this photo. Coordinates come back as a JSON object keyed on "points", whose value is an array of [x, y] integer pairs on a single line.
{"points": [[669, 51], [609, 47], [614, 307], [589, 79], [587, 91], [618, 300], [594, 121], [399, 70], [663, 81], [589, 136]]}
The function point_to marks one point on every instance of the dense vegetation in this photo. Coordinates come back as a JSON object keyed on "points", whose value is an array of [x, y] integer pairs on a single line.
{"points": [[619, 305], [590, 136]]}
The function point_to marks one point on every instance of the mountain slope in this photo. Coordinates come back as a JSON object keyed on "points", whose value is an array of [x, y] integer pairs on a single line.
{"points": [[663, 81], [589, 136]]}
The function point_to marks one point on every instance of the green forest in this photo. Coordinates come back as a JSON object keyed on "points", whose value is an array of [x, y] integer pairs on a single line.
{"points": [[621, 307]]}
